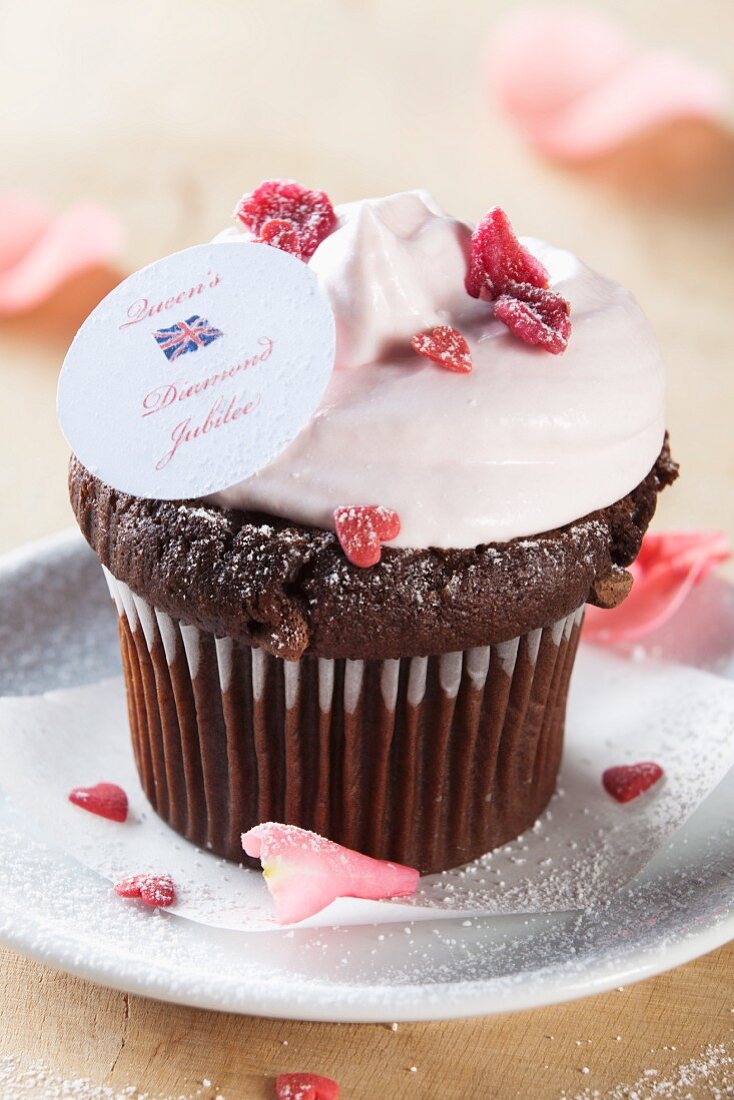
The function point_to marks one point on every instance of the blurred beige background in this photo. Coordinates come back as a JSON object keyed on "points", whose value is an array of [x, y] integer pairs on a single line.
{"points": [[167, 110]]}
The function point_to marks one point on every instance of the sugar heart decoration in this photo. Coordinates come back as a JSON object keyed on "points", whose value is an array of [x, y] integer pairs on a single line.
{"points": [[104, 799], [305, 872], [361, 530], [628, 781], [157, 891], [577, 85], [667, 569], [305, 1086], [446, 347]]}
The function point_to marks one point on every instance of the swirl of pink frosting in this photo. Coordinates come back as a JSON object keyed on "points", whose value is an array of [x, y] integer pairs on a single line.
{"points": [[525, 443]]}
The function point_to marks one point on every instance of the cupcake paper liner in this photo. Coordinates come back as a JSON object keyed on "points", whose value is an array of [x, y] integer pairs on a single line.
{"points": [[428, 761]]}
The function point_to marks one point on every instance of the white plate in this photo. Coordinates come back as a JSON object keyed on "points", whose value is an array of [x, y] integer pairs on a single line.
{"points": [[57, 630]]}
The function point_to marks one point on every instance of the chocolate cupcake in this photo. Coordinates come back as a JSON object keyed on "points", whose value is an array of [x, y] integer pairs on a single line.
{"points": [[373, 636]]}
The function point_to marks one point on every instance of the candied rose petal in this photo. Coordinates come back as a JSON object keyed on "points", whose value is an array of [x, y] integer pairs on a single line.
{"points": [[310, 213], [305, 872], [104, 799], [281, 234], [668, 568], [497, 258], [445, 346], [362, 528], [536, 315], [305, 1086], [628, 781]]}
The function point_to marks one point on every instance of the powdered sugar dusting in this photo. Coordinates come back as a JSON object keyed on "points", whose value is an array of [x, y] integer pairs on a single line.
{"points": [[711, 1074], [19, 1081]]}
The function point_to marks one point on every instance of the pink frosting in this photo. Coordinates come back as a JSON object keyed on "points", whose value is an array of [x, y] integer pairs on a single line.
{"points": [[525, 443]]}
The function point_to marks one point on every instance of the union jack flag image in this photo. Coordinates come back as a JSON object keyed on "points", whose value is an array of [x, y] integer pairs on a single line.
{"points": [[189, 335]]}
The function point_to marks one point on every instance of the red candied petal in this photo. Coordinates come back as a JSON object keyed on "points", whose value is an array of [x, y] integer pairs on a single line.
{"points": [[104, 799], [361, 528], [445, 346], [310, 213], [497, 258], [628, 781], [305, 872], [305, 1086], [281, 234], [537, 316], [157, 891], [476, 276]]}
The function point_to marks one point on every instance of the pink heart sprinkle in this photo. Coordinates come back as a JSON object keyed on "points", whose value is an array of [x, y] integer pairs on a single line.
{"points": [[104, 799], [361, 530], [628, 781], [156, 891]]}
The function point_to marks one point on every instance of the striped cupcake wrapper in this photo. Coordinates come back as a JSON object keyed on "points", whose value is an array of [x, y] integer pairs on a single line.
{"points": [[429, 761]]}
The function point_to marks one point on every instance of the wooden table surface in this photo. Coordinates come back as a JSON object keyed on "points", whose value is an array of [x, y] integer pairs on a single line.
{"points": [[167, 110]]}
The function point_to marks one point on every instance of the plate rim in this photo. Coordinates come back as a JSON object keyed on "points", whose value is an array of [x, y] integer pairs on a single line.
{"points": [[637, 967]]}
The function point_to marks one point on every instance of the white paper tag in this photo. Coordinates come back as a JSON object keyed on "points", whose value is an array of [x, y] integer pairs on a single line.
{"points": [[197, 371]]}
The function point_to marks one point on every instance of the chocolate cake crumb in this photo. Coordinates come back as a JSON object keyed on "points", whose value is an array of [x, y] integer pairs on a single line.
{"points": [[608, 592]]}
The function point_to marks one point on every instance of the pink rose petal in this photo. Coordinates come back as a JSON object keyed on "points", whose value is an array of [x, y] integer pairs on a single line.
{"points": [[305, 872], [38, 253], [666, 571], [23, 221], [650, 90], [540, 59], [577, 85]]}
